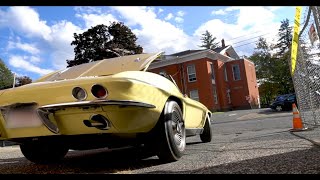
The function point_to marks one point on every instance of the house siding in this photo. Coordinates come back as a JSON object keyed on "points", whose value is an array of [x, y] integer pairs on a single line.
{"points": [[247, 85]]}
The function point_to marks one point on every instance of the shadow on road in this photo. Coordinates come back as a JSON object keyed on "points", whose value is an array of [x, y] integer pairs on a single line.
{"points": [[296, 162], [84, 162], [122, 161]]}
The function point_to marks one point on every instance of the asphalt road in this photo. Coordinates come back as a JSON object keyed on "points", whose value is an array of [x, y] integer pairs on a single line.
{"points": [[247, 141]]}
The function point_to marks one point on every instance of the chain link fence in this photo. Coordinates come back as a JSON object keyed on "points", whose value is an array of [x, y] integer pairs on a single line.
{"points": [[306, 77]]}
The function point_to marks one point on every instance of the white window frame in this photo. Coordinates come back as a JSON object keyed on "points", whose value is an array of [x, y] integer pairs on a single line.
{"points": [[233, 73], [189, 74], [194, 97], [215, 95], [228, 96], [225, 74]]}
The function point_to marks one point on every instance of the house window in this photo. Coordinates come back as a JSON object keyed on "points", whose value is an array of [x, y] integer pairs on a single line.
{"points": [[194, 95], [225, 73], [213, 77], [191, 70], [236, 72], [228, 96], [215, 95], [212, 72]]}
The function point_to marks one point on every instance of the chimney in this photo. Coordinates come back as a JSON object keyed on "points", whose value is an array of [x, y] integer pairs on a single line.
{"points": [[222, 43]]}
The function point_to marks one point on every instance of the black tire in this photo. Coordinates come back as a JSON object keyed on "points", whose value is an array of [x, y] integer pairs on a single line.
{"points": [[171, 139], [44, 152], [206, 135]]}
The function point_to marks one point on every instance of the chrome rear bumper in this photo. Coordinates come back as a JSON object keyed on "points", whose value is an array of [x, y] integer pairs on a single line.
{"points": [[99, 102]]}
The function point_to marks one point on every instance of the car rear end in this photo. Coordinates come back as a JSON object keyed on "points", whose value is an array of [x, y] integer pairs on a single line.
{"points": [[91, 105]]}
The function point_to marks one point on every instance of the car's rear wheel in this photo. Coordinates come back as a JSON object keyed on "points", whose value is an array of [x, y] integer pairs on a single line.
{"points": [[279, 108], [44, 152], [171, 139], [206, 135]]}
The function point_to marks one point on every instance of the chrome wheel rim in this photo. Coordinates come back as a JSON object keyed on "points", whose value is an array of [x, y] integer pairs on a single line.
{"points": [[178, 130], [278, 108]]}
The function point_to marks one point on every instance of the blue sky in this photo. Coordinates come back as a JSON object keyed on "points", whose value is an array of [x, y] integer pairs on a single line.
{"points": [[36, 40]]}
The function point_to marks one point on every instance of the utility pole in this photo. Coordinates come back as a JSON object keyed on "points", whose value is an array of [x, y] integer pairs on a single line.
{"points": [[14, 80]]}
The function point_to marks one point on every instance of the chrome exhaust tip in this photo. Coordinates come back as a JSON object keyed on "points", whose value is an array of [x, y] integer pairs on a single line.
{"points": [[97, 121]]}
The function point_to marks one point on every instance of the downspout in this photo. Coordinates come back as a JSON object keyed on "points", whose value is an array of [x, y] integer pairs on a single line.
{"points": [[183, 80], [14, 80]]}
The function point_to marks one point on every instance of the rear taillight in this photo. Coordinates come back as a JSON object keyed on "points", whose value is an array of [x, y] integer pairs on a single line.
{"points": [[99, 91], [79, 93]]}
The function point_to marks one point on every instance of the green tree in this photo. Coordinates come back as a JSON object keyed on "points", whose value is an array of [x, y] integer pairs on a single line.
{"points": [[282, 73], [23, 80], [262, 59], [208, 41], [264, 64], [6, 76], [273, 70], [285, 37], [101, 41]]}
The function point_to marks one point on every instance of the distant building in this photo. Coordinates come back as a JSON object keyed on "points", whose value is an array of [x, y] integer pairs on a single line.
{"points": [[218, 78]]}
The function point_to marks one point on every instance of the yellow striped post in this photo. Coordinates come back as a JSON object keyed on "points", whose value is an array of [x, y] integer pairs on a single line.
{"points": [[295, 39]]}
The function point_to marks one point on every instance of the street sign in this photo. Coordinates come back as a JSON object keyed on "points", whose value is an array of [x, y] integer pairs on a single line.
{"points": [[312, 34]]}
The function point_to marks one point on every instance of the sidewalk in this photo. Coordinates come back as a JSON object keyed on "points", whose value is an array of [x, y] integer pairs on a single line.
{"points": [[312, 135]]}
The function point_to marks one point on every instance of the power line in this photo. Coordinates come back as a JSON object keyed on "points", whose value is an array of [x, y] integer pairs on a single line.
{"points": [[242, 36], [251, 38], [255, 40], [246, 44], [290, 21]]}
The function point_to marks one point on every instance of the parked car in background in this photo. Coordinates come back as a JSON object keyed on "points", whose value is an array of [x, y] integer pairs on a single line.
{"points": [[108, 103], [284, 102]]}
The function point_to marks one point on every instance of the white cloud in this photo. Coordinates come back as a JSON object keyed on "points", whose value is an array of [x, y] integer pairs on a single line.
{"points": [[225, 30], [62, 36], [35, 59], [88, 9], [18, 74], [53, 41], [155, 34], [232, 8], [181, 13], [250, 22], [261, 16], [95, 19], [274, 8], [219, 12], [179, 19], [25, 20], [169, 16], [29, 48], [160, 10], [23, 63]]}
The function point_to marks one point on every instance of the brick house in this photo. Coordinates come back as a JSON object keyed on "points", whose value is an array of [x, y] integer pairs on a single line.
{"points": [[218, 78]]}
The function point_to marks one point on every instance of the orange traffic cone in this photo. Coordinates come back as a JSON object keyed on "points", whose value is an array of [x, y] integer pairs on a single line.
{"points": [[296, 121]]}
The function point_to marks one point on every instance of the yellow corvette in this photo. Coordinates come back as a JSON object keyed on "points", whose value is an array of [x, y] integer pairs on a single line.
{"points": [[108, 103]]}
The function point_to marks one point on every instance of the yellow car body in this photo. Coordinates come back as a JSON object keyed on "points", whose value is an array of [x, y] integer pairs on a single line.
{"points": [[133, 105]]}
